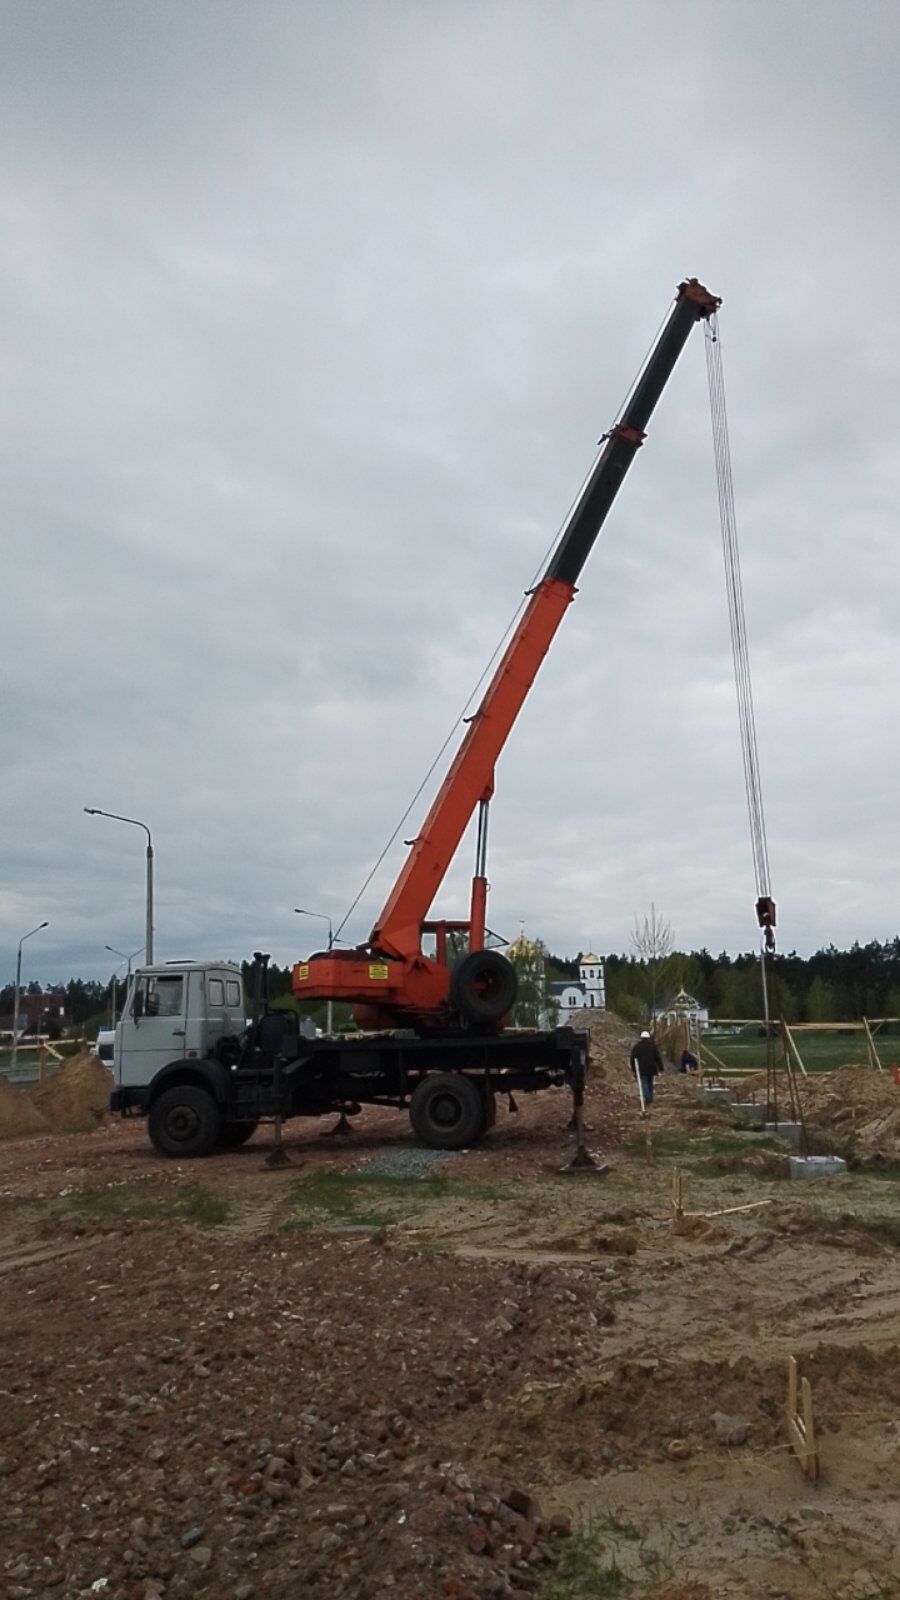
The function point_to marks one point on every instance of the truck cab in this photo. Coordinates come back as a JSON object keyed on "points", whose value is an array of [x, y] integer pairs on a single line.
{"points": [[179, 1012]]}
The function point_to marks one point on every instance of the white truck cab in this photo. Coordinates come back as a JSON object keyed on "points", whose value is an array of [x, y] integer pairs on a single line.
{"points": [[180, 1011]]}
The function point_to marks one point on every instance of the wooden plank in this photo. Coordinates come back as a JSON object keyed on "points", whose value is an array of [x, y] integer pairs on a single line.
{"points": [[720, 1063], [800, 1425], [873, 1053], [828, 1027], [794, 1051]]}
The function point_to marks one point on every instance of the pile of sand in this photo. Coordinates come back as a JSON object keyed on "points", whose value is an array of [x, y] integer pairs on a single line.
{"points": [[611, 1040], [18, 1117], [76, 1097], [859, 1103]]}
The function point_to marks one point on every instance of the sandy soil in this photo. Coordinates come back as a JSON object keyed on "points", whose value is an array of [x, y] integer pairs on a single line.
{"points": [[224, 1381]]}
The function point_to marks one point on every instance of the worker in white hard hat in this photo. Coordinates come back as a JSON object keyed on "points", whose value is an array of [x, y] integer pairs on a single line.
{"points": [[646, 1062]]}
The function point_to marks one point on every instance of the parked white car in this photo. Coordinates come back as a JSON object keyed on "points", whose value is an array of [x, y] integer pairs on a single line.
{"points": [[105, 1047]]}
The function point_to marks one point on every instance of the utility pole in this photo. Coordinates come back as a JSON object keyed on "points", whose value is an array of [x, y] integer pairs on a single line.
{"points": [[15, 1051], [113, 951], [321, 917], [94, 811]]}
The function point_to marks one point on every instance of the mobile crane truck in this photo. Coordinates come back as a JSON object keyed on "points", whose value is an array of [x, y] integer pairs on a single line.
{"points": [[433, 1034]]}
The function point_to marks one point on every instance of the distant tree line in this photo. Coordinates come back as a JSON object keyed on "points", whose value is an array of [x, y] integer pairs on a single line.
{"points": [[831, 986]]}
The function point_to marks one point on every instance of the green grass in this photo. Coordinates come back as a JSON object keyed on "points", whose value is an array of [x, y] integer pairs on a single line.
{"points": [[191, 1204], [669, 1143], [821, 1052], [373, 1200], [589, 1566], [29, 1060]]}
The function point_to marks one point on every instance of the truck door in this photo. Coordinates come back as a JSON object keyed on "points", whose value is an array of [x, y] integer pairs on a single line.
{"points": [[154, 1028]]}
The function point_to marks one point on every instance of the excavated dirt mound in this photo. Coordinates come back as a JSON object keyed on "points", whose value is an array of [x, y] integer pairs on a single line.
{"points": [[18, 1117], [611, 1040], [632, 1410], [76, 1097], [858, 1105]]}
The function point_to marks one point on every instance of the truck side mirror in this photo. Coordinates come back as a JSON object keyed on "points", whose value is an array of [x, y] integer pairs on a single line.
{"points": [[137, 1008]]}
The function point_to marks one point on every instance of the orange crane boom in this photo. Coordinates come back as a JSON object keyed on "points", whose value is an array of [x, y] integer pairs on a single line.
{"points": [[389, 980]]}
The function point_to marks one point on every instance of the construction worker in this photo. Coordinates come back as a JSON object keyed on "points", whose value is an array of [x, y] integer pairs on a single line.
{"points": [[688, 1062], [646, 1062]]}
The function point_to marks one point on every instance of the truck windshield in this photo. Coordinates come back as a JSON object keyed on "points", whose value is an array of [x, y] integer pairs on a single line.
{"points": [[161, 996]]}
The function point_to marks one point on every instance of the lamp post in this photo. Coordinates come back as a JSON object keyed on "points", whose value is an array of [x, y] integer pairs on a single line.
{"points": [[94, 811], [15, 1053], [320, 917], [113, 951]]}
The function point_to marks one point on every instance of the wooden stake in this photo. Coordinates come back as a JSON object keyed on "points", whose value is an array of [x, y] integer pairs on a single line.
{"points": [[794, 1051], [678, 1211], [728, 1211], [870, 1042], [718, 1060], [800, 1426]]}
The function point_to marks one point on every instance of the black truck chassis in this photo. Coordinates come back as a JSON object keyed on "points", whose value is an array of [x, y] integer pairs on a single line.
{"points": [[448, 1083]]}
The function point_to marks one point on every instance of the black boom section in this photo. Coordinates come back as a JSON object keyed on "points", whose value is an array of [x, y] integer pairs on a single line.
{"points": [[626, 438]]}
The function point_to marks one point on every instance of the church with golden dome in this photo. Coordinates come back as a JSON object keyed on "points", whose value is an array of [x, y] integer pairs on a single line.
{"points": [[587, 994]]}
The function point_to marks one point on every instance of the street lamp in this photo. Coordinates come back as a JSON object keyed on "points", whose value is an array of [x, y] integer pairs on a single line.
{"points": [[94, 811], [320, 917], [113, 951], [15, 1054]]}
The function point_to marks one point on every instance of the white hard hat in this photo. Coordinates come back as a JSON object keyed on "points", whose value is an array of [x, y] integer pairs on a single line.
{"points": [[645, 1034]]}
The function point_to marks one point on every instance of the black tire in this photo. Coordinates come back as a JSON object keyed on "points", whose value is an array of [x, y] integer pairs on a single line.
{"points": [[234, 1134], [483, 986], [447, 1111], [184, 1122]]}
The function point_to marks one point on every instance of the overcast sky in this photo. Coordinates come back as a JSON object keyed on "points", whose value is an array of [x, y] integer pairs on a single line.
{"points": [[312, 316]]}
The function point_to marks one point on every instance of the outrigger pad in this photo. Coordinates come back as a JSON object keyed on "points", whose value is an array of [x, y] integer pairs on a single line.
{"points": [[278, 1157], [583, 1163], [341, 1126]]}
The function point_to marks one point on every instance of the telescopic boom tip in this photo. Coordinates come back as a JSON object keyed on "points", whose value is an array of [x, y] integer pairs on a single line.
{"points": [[692, 289]]}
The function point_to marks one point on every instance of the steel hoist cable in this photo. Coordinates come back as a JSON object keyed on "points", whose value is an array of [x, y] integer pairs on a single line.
{"points": [[765, 905]]}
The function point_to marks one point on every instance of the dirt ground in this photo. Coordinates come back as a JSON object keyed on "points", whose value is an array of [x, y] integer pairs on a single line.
{"points": [[368, 1375]]}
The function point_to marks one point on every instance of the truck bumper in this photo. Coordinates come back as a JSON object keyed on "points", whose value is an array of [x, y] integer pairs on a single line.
{"points": [[129, 1101]]}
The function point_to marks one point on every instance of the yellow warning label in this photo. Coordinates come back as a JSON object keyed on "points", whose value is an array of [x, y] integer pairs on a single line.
{"points": [[302, 973], [377, 969]]}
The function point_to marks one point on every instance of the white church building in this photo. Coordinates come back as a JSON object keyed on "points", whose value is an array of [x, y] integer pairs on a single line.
{"points": [[588, 994]]}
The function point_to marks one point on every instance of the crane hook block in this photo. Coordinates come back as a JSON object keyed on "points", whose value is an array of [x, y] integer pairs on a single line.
{"points": [[765, 915]]}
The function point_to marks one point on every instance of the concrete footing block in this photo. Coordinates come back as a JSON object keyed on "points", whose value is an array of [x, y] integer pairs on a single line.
{"points": [[749, 1111], [715, 1091], [789, 1131], [817, 1166]]}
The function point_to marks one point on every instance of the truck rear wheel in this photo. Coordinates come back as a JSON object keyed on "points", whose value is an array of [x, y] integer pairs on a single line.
{"points": [[483, 986], [185, 1121], [447, 1111]]}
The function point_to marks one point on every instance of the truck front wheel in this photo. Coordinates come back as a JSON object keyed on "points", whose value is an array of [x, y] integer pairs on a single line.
{"points": [[185, 1121], [447, 1111]]}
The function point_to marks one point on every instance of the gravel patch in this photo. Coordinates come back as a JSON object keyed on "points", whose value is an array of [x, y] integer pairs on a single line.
{"points": [[413, 1162]]}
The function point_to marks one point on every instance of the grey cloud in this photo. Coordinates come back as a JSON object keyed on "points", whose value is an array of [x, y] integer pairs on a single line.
{"points": [[314, 315]]}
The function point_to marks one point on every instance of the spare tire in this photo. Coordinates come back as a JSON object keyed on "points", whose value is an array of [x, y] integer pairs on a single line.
{"points": [[483, 987]]}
